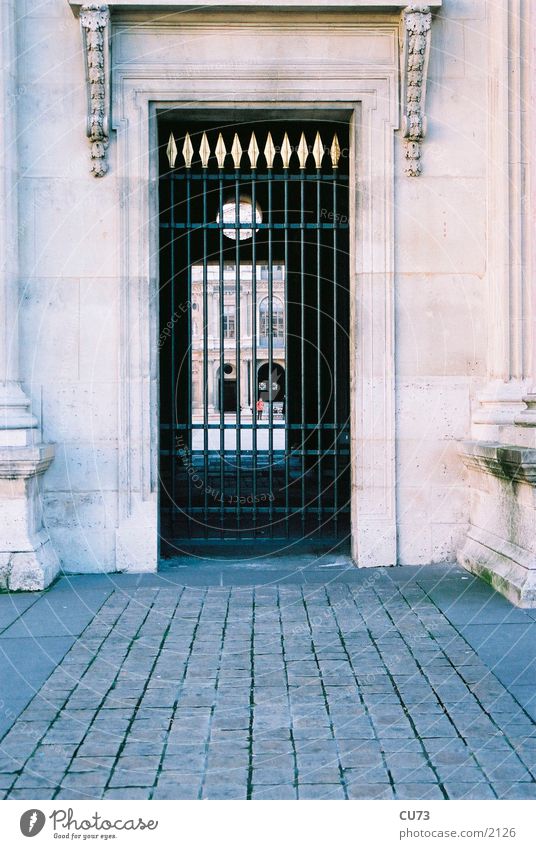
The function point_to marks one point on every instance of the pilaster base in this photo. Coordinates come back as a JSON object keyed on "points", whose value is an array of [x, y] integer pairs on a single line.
{"points": [[510, 569], [500, 403], [500, 546], [27, 558]]}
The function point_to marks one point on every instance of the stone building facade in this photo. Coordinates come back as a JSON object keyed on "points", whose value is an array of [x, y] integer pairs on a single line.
{"points": [[438, 100]]}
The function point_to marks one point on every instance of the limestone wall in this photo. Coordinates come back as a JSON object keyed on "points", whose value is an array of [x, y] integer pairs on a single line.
{"points": [[70, 251]]}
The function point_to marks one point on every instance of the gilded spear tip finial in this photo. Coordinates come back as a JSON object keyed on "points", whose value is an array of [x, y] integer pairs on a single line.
{"points": [[236, 151], [171, 151], [188, 151], [204, 151], [269, 151], [318, 151], [221, 151], [253, 151], [335, 151], [286, 151], [303, 151]]}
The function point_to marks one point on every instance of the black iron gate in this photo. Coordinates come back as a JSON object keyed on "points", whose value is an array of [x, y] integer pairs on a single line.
{"points": [[254, 306]]}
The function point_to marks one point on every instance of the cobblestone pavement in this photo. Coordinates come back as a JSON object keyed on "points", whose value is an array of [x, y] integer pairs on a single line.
{"points": [[325, 684]]}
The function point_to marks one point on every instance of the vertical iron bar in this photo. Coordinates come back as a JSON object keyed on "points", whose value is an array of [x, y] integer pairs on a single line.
{"points": [[205, 357], [222, 359], [318, 360], [285, 417], [270, 354], [237, 334], [336, 434], [254, 350], [302, 341], [189, 358], [174, 418]]}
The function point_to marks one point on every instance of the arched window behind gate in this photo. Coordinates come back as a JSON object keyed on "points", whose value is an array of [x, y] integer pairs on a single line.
{"points": [[278, 322]]}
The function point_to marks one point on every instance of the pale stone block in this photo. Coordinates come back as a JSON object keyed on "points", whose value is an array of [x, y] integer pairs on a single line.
{"points": [[235, 46], [460, 103], [80, 466], [470, 9], [34, 570], [99, 327], [49, 335], [450, 504], [441, 225], [447, 538], [137, 539], [436, 408], [414, 543], [80, 411], [84, 551], [374, 542], [430, 311], [75, 227], [51, 48], [5, 569], [90, 512], [429, 462], [447, 59], [61, 151], [44, 8]]}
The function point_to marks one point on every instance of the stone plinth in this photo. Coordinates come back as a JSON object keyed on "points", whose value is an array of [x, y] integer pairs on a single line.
{"points": [[501, 545], [27, 558]]}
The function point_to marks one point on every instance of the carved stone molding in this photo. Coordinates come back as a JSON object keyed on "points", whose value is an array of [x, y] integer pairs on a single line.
{"points": [[94, 22], [416, 36]]}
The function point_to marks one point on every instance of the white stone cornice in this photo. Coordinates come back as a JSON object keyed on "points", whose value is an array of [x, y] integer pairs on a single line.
{"points": [[416, 37], [17, 462], [94, 23], [254, 5], [509, 462]]}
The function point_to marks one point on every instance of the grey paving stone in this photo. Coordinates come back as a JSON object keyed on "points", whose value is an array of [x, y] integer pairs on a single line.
{"points": [[463, 790], [370, 791], [518, 790], [32, 793], [224, 791], [412, 790], [320, 791], [128, 793], [272, 776], [275, 792]]}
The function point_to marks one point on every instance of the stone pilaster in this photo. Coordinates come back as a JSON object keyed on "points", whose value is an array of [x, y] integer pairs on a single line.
{"points": [[509, 283], [27, 559]]}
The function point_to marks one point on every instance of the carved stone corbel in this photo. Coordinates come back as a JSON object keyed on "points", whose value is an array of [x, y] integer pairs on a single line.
{"points": [[416, 35], [94, 22]]}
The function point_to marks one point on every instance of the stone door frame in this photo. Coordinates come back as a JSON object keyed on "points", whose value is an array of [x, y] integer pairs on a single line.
{"points": [[367, 95]]}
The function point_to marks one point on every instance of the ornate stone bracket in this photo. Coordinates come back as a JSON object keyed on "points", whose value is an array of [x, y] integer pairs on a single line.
{"points": [[94, 22], [416, 36]]}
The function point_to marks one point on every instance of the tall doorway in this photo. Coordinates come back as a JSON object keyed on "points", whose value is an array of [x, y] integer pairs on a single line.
{"points": [[254, 320]]}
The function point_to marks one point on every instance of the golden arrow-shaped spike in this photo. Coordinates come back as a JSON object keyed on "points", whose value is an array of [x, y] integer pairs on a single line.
{"points": [[269, 151], [335, 151], [171, 151], [286, 151], [236, 151], [221, 151], [204, 151], [188, 151], [253, 151], [303, 151], [318, 151]]}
